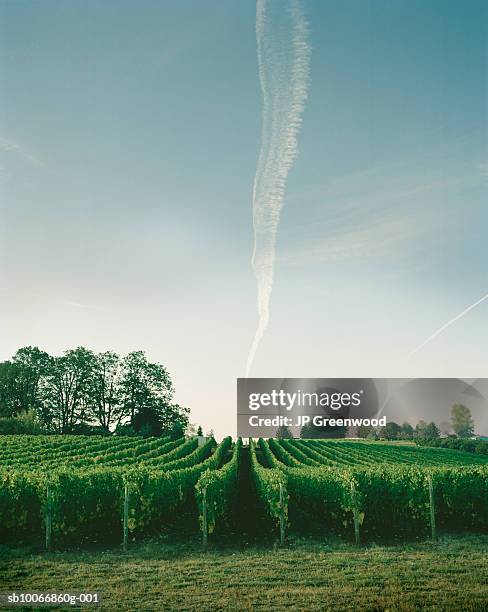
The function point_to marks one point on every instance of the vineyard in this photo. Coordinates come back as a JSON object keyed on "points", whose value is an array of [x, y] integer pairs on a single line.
{"points": [[76, 489], [368, 490]]}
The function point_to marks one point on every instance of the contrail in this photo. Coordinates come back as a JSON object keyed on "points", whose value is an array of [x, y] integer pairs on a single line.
{"points": [[283, 63], [448, 324]]}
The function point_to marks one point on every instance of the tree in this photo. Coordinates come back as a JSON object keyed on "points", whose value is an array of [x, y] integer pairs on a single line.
{"points": [[445, 428], [462, 421], [143, 384], [24, 423], [307, 432], [81, 392], [66, 390], [406, 431], [20, 380], [105, 405], [426, 431], [419, 429], [431, 431], [311, 431], [283, 433], [9, 397], [146, 422], [33, 366], [174, 419], [199, 431], [364, 431], [147, 393], [390, 431]]}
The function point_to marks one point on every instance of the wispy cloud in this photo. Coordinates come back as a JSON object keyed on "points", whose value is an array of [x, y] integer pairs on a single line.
{"points": [[375, 214], [7, 146], [448, 324], [283, 63], [377, 238], [482, 168], [73, 304], [59, 301]]}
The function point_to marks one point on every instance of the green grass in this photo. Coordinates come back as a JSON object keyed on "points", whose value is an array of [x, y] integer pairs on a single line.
{"points": [[306, 575]]}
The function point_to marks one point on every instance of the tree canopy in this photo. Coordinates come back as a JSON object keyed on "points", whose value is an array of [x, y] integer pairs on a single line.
{"points": [[81, 390], [426, 431], [462, 421], [284, 432], [391, 431]]}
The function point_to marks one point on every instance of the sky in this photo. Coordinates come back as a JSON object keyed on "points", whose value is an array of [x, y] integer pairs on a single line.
{"points": [[129, 139]]}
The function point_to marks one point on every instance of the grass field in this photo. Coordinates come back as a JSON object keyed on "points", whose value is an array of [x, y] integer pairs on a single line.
{"points": [[306, 575]]}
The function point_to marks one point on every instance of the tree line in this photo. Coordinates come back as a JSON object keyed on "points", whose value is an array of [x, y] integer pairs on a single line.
{"points": [[461, 425], [85, 392]]}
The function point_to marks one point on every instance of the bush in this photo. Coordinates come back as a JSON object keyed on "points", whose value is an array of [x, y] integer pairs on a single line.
{"points": [[479, 447], [125, 430], [82, 429], [24, 423]]}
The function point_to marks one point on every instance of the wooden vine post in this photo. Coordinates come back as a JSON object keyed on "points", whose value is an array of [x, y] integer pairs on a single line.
{"points": [[49, 516], [355, 512], [282, 515], [204, 519], [126, 516], [432, 506]]}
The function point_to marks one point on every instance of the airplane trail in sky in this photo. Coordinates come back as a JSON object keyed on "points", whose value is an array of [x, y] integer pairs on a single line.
{"points": [[283, 63], [448, 324]]}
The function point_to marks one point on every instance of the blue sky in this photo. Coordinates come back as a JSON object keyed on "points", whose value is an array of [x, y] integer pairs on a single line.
{"points": [[129, 136]]}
